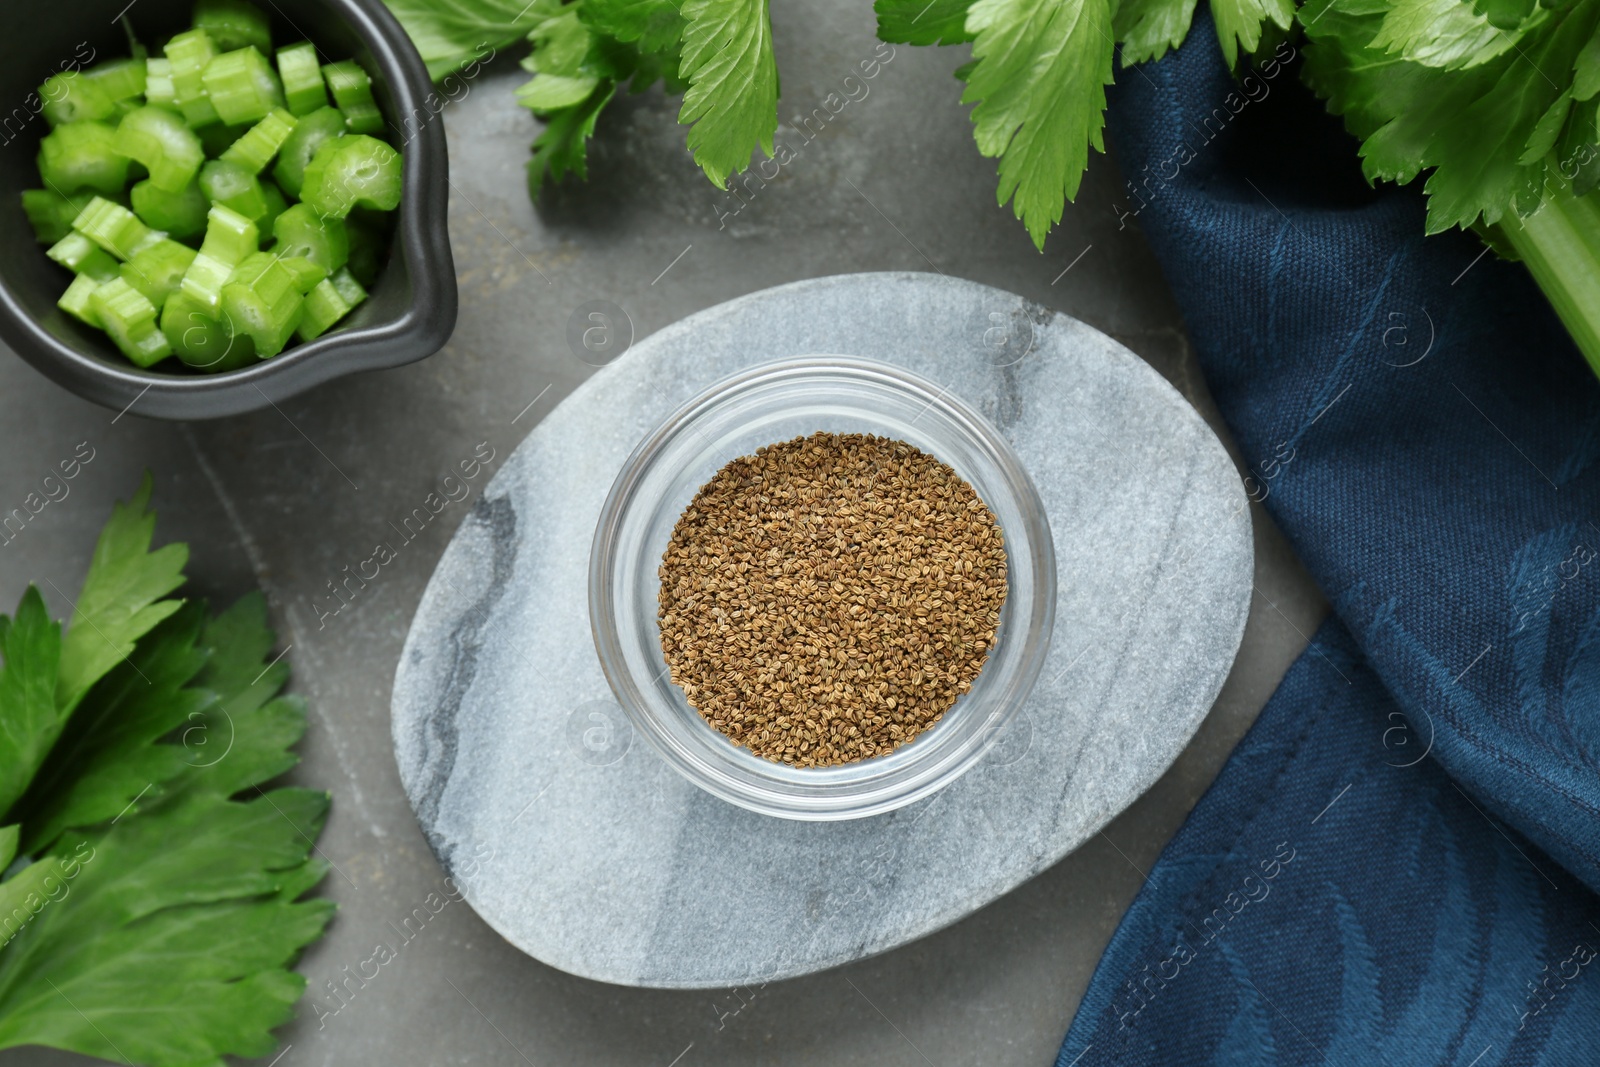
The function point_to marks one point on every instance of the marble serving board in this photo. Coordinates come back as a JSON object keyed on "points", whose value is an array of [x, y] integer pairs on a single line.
{"points": [[569, 835]]}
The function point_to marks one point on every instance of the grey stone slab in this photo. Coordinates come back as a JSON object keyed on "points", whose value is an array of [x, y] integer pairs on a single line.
{"points": [[600, 860]]}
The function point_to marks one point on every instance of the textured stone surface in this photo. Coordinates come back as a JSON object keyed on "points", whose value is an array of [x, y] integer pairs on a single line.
{"points": [[263, 501], [573, 839]]}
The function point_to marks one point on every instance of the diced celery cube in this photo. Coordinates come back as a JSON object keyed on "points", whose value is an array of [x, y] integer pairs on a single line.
{"points": [[78, 301], [261, 142], [352, 94], [242, 86], [129, 318], [164, 143], [82, 155], [114, 228], [303, 89], [82, 256]]}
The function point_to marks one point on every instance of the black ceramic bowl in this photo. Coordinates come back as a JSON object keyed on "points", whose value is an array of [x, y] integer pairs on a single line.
{"points": [[412, 306]]}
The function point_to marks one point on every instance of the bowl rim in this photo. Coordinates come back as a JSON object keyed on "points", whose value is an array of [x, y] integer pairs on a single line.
{"points": [[421, 236], [884, 791]]}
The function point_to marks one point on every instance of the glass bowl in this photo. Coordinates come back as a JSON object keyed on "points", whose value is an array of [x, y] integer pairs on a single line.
{"points": [[777, 402]]}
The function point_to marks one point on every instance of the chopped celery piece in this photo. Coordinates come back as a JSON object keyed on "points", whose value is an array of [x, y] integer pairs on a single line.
{"points": [[130, 319], [77, 301], [119, 79], [324, 306], [309, 133], [242, 86], [233, 186], [230, 237], [82, 256], [190, 53], [303, 233], [51, 213], [201, 337], [72, 250], [158, 83], [352, 93], [261, 301], [217, 138], [354, 169], [368, 247], [203, 281], [197, 131], [82, 155], [261, 142], [233, 24], [330, 301], [157, 269], [302, 78], [305, 273], [114, 228], [73, 97], [276, 205], [348, 287], [166, 146], [181, 214]]}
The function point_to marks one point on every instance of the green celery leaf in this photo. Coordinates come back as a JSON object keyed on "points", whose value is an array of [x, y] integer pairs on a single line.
{"points": [[561, 47], [1586, 70], [562, 147], [450, 34], [654, 25], [641, 69], [1476, 152], [246, 737], [240, 667], [121, 596], [732, 99], [1147, 28], [1528, 193], [229, 849], [1473, 127], [25, 895], [1506, 14], [545, 93], [1039, 84], [249, 747], [577, 69], [162, 934], [1448, 34], [1578, 151], [923, 21], [562, 75], [167, 941], [1547, 129], [30, 720], [1394, 105], [109, 762], [561, 41], [1239, 23]]}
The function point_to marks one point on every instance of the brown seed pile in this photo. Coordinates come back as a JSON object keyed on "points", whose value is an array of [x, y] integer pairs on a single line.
{"points": [[828, 598]]}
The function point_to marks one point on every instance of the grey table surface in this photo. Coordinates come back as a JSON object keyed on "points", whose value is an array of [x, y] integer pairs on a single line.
{"points": [[287, 498]]}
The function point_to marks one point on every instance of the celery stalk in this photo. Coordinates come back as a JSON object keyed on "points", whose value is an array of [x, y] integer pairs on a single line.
{"points": [[1560, 244]]}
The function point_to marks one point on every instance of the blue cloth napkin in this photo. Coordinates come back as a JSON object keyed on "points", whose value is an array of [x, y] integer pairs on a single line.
{"points": [[1399, 863]]}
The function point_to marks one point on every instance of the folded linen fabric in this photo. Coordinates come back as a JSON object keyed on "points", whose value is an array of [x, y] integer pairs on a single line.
{"points": [[1399, 864]]}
